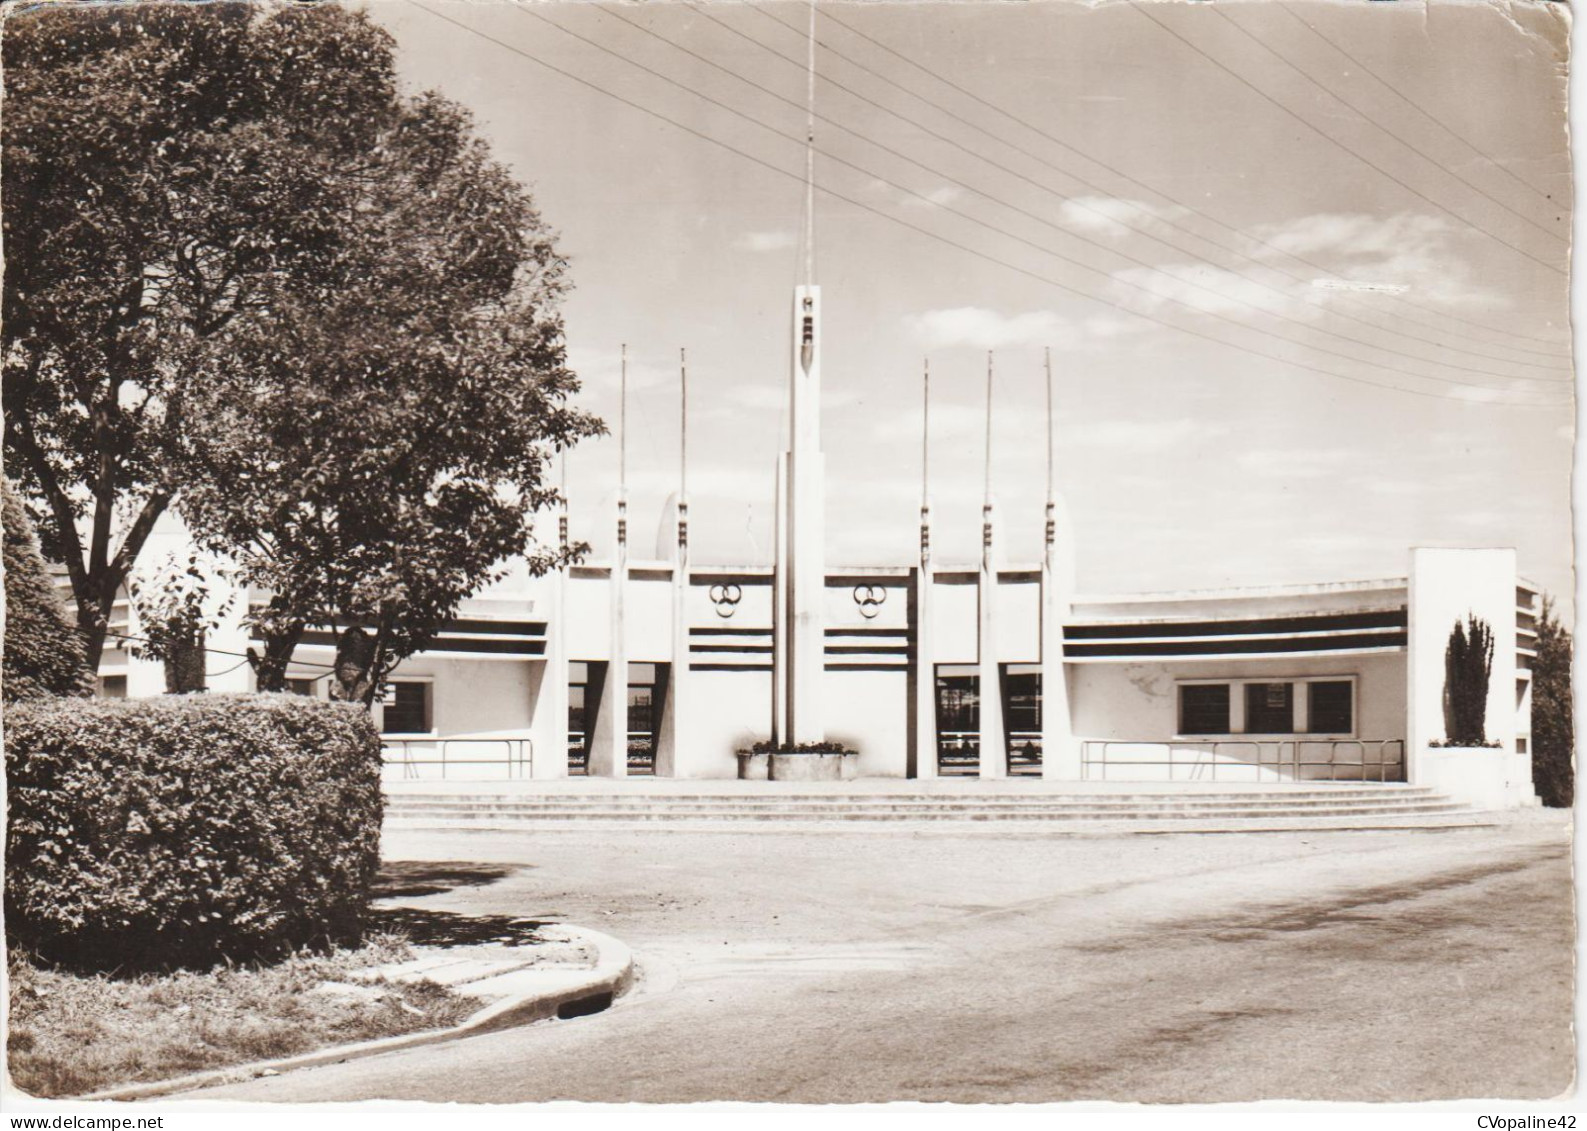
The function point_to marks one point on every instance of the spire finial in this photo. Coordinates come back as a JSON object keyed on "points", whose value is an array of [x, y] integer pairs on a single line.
{"points": [[1047, 362]]}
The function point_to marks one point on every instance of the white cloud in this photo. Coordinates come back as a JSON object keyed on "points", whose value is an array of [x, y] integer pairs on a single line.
{"points": [[980, 328], [1297, 463], [1138, 435], [1112, 216], [944, 196], [765, 241]]}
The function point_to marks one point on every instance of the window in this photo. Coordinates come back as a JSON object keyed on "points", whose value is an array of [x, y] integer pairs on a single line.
{"points": [[1204, 708], [301, 687], [1330, 707], [1023, 687], [407, 708], [112, 687], [1269, 708]]}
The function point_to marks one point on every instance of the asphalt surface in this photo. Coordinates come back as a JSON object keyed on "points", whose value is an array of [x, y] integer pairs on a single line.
{"points": [[991, 967]]}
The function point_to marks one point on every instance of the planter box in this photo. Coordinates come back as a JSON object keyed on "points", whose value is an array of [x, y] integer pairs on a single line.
{"points": [[814, 767], [1479, 776], [754, 767]]}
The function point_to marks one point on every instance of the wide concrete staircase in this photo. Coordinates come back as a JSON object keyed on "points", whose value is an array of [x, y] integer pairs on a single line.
{"points": [[1119, 808]]}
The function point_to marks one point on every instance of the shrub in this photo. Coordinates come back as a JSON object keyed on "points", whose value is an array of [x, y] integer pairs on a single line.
{"points": [[765, 746], [171, 832], [43, 652], [1468, 661], [1553, 733]]}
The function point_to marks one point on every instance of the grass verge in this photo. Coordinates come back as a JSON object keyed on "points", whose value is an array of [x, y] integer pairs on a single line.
{"points": [[71, 1034]]}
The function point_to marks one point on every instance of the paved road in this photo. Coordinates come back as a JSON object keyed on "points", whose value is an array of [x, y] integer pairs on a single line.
{"points": [[990, 967]]}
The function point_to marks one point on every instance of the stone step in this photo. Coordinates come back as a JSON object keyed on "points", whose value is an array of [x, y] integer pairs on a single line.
{"points": [[643, 795], [1111, 826], [859, 805], [679, 814]]}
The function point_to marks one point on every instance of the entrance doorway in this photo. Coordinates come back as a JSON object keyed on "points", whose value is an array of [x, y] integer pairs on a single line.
{"points": [[958, 720], [644, 703]]}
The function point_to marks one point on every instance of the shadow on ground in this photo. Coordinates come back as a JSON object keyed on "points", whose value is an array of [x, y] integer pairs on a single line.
{"points": [[443, 928], [407, 879]]}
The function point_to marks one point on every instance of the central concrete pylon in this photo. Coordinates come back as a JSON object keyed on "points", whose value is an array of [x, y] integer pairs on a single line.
{"points": [[798, 625]]}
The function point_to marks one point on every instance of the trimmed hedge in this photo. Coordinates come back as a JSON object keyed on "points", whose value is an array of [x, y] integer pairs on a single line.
{"points": [[160, 833]]}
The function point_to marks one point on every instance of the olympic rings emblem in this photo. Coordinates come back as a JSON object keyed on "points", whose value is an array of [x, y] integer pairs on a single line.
{"points": [[726, 599], [869, 598]]}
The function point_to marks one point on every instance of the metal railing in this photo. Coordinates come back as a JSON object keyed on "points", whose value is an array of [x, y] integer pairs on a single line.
{"points": [[1298, 759], [959, 752], [517, 755], [641, 752]]}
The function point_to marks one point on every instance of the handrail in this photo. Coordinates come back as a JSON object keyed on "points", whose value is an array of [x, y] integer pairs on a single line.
{"points": [[1292, 758], [519, 759]]}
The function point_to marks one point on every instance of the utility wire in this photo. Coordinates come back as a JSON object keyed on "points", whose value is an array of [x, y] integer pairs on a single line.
{"points": [[929, 234], [1106, 276], [1190, 208], [1418, 107], [1377, 125], [1367, 161], [1071, 234]]}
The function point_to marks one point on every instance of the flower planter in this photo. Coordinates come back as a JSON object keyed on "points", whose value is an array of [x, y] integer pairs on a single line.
{"points": [[753, 767], [814, 767], [1479, 776]]}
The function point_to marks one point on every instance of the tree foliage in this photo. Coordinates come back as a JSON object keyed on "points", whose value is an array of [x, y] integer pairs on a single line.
{"points": [[226, 217], [1468, 661], [378, 448], [43, 652], [1553, 728]]}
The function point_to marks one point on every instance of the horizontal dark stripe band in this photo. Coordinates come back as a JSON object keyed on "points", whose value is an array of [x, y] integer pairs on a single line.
{"points": [[730, 667], [868, 632], [758, 648], [866, 650], [451, 644], [904, 668], [716, 630], [1390, 618], [1236, 647]]}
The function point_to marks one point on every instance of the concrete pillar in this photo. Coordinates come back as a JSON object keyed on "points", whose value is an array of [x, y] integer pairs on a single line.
{"points": [[551, 704], [609, 742], [801, 554], [994, 735], [1446, 586], [1060, 748], [672, 736], [924, 663]]}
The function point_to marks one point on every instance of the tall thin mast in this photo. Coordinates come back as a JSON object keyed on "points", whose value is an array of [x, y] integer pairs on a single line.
{"points": [[1047, 362], [683, 424], [925, 434], [988, 495], [810, 150]]}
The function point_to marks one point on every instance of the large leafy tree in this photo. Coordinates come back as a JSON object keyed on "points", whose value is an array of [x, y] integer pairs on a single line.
{"points": [[1553, 732], [248, 277], [168, 168]]}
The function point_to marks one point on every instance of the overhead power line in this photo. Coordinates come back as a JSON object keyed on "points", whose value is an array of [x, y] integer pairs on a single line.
{"points": [[1071, 234], [976, 252], [1152, 189], [1356, 62], [1335, 142], [1106, 276], [1377, 125]]}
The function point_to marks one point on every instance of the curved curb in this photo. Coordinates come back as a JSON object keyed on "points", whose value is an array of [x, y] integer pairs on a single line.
{"points": [[611, 976]]}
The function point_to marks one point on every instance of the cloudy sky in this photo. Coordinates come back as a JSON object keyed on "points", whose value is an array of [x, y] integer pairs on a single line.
{"points": [[1300, 267]]}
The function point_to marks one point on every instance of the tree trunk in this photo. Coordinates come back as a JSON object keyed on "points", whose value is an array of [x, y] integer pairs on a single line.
{"points": [[184, 667], [270, 669], [356, 652]]}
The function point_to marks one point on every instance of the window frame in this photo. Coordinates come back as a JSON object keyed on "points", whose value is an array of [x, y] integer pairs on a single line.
{"points": [[428, 683], [1300, 707]]}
